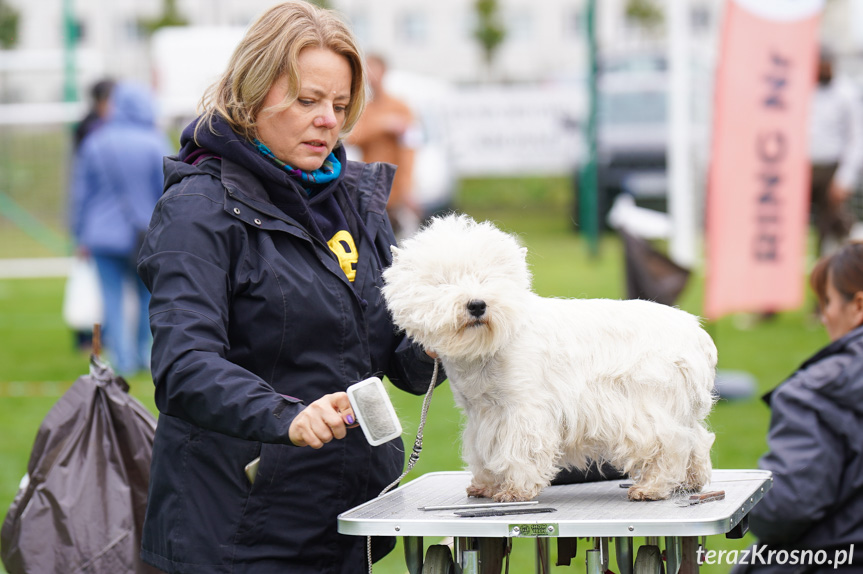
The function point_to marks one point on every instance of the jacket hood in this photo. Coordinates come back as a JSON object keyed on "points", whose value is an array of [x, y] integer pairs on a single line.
{"points": [[132, 103], [284, 191], [836, 371], [222, 141], [846, 385]]}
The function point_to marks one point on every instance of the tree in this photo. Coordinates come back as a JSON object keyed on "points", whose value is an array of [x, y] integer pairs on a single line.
{"points": [[645, 12], [489, 31], [170, 17], [8, 25]]}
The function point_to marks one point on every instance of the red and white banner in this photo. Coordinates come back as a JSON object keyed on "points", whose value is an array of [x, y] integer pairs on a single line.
{"points": [[758, 185]]}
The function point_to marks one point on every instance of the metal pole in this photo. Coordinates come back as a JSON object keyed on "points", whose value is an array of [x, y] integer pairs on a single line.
{"points": [[70, 89], [587, 182], [681, 196], [623, 550], [673, 554], [593, 562], [413, 546], [543, 556]]}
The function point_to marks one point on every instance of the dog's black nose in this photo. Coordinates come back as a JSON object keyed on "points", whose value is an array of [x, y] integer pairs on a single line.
{"points": [[476, 308]]}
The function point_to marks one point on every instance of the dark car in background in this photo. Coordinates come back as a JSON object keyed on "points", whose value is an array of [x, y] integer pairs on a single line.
{"points": [[632, 132], [633, 128], [632, 139]]}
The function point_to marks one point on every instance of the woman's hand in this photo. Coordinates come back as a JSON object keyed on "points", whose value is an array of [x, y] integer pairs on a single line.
{"points": [[327, 418]]}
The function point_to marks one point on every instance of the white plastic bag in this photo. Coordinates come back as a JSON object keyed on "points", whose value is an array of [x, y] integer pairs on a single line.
{"points": [[82, 300]]}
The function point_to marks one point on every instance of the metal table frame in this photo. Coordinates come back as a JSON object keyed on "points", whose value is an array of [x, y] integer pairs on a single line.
{"points": [[597, 510]]}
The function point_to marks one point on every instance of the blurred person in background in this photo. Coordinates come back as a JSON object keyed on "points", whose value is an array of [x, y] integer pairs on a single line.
{"points": [[815, 450], [117, 180], [92, 120], [265, 259], [836, 153], [100, 94], [382, 134]]}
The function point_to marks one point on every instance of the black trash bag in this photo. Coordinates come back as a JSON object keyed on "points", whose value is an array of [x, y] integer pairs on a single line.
{"points": [[650, 274], [81, 505]]}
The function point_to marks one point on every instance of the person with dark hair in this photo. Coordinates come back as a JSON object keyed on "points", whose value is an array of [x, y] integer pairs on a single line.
{"points": [[100, 94], [264, 258], [815, 450]]}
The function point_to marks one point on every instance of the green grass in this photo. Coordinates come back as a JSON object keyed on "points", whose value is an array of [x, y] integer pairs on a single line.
{"points": [[38, 360]]}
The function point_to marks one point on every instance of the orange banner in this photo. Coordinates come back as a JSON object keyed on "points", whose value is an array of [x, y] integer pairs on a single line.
{"points": [[758, 185]]}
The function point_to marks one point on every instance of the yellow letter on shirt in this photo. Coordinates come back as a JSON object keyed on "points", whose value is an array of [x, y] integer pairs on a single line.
{"points": [[342, 244]]}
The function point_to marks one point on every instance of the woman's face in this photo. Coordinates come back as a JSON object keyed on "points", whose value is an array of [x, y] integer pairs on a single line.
{"points": [[838, 314], [305, 133]]}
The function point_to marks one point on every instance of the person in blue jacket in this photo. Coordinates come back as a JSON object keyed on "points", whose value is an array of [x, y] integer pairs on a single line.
{"points": [[264, 259], [814, 510], [117, 180]]}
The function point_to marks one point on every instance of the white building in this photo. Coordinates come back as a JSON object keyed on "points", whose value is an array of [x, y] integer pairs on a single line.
{"points": [[545, 41]]}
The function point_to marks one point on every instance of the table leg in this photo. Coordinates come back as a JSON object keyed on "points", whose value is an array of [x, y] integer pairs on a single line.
{"points": [[593, 558], [689, 559], [543, 556], [470, 562], [623, 550], [673, 554], [601, 544], [413, 553]]}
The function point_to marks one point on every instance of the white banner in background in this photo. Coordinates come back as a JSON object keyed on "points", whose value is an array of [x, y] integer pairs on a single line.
{"points": [[501, 130]]}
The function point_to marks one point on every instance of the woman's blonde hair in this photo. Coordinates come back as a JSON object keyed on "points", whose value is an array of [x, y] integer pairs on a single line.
{"points": [[269, 50]]}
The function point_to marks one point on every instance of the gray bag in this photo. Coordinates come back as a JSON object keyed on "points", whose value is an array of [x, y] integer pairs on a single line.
{"points": [[81, 505]]}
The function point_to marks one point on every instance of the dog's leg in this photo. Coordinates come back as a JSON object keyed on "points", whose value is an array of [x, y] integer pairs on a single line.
{"points": [[700, 466], [661, 464], [482, 484], [651, 486], [511, 453], [681, 461]]}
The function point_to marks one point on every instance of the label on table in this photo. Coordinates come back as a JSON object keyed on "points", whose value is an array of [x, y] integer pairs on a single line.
{"points": [[533, 530]]}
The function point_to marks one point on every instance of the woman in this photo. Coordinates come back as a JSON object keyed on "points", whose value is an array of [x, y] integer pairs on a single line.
{"points": [[264, 259], [117, 181], [816, 452]]}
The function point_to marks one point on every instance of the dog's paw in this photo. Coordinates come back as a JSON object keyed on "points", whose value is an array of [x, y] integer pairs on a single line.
{"points": [[479, 491], [637, 492], [510, 495]]}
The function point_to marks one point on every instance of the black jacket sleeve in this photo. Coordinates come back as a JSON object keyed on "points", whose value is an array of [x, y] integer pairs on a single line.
{"points": [[412, 368]]}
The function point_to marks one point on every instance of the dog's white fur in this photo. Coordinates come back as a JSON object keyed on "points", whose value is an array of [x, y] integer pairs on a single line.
{"points": [[554, 383]]}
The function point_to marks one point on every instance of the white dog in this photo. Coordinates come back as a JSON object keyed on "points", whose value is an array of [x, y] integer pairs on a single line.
{"points": [[554, 383]]}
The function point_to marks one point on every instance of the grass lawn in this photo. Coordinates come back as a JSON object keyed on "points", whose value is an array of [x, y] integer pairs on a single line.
{"points": [[38, 360]]}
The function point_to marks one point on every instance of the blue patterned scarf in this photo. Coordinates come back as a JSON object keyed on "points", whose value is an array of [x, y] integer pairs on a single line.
{"points": [[329, 171]]}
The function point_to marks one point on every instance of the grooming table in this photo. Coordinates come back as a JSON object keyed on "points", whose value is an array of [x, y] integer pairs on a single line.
{"points": [[597, 510]]}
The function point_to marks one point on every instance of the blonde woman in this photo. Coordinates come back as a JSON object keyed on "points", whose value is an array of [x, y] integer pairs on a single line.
{"points": [[264, 259]]}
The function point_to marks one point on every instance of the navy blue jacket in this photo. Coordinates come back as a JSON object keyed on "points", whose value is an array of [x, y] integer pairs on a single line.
{"points": [[252, 317], [816, 456]]}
